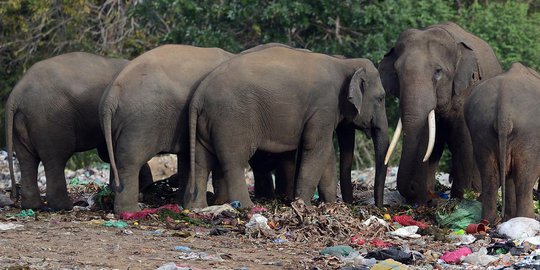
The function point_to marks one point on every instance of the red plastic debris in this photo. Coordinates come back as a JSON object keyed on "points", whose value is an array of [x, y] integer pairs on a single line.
{"points": [[405, 220], [143, 213], [379, 243], [356, 240], [455, 256]]}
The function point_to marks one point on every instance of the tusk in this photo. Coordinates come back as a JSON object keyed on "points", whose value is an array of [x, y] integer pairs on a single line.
{"points": [[394, 142], [431, 138]]}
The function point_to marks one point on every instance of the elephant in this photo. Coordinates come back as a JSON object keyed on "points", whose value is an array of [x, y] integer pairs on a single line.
{"points": [[144, 112], [277, 100], [52, 113], [432, 70], [501, 116]]}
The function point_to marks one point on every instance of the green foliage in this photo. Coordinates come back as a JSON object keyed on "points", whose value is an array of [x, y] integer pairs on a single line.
{"points": [[34, 30]]}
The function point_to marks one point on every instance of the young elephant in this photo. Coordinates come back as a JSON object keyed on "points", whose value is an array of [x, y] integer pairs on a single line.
{"points": [[501, 115], [52, 113], [271, 101]]}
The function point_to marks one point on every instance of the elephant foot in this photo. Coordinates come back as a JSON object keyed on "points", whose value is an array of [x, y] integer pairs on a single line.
{"points": [[119, 208], [31, 204], [60, 204]]}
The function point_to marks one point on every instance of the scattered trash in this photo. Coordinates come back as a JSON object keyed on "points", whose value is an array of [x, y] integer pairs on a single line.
{"points": [[475, 228], [337, 251], [372, 219], [465, 213], [463, 239], [519, 228], [218, 231], [9, 226], [389, 264], [379, 243], [200, 256], [141, 214], [394, 253], [504, 247], [115, 224], [154, 232], [455, 256], [174, 266], [215, 210], [26, 213], [405, 220], [236, 204], [480, 257], [127, 232], [257, 223], [182, 248], [409, 232]]}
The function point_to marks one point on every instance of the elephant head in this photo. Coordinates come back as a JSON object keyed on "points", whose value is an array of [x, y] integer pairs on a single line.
{"points": [[431, 71], [367, 94]]}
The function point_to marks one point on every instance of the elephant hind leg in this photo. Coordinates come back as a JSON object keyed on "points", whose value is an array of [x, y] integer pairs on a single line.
{"points": [[28, 162], [57, 194], [526, 171], [489, 172], [195, 190]]}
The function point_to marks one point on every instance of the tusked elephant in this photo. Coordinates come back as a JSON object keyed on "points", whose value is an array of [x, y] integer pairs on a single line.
{"points": [[273, 100], [431, 71], [52, 113], [501, 115]]}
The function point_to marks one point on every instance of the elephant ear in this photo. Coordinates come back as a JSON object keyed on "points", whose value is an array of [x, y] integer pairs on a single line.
{"points": [[468, 70], [357, 88], [388, 73]]}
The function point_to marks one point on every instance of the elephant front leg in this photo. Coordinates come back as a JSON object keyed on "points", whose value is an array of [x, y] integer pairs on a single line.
{"points": [[464, 168], [345, 133], [312, 165], [328, 183]]}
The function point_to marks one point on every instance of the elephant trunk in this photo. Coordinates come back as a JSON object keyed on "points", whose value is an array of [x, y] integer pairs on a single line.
{"points": [[379, 135], [418, 120]]}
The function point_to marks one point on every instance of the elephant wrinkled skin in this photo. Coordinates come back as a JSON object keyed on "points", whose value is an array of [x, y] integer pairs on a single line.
{"points": [[273, 100], [502, 116], [431, 71]]}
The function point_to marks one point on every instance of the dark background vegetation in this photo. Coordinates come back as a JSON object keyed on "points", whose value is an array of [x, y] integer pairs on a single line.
{"points": [[32, 30]]}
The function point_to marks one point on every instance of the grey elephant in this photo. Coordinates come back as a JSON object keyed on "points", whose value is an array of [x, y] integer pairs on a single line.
{"points": [[144, 112], [501, 115], [431, 71], [273, 100], [52, 113]]}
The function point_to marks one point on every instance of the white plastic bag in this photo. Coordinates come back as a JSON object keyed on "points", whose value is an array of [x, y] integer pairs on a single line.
{"points": [[519, 228], [408, 231], [480, 258]]}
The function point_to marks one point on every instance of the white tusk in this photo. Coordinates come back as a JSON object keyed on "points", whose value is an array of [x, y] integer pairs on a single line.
{"points": [[431, 138], [394, 142]]}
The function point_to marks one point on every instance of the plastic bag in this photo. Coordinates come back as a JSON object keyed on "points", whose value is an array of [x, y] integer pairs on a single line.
{"points": [[480, 258], [465, 213], [519, 228]]}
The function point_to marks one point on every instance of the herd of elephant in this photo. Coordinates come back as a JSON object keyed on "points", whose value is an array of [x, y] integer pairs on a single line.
{"points": [[276, 108]]}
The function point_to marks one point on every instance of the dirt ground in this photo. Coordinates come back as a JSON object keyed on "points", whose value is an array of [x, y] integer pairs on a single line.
{"points": [[77, 241], [292, 237]]}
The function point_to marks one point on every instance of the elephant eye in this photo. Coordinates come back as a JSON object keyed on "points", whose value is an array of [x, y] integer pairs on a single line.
{"points": [[437, 75], [380, 99]]}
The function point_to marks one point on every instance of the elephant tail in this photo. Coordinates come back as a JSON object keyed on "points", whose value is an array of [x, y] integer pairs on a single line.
{"points": [[10, 114], [503, 129], [193, 118], [106, 124]]}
